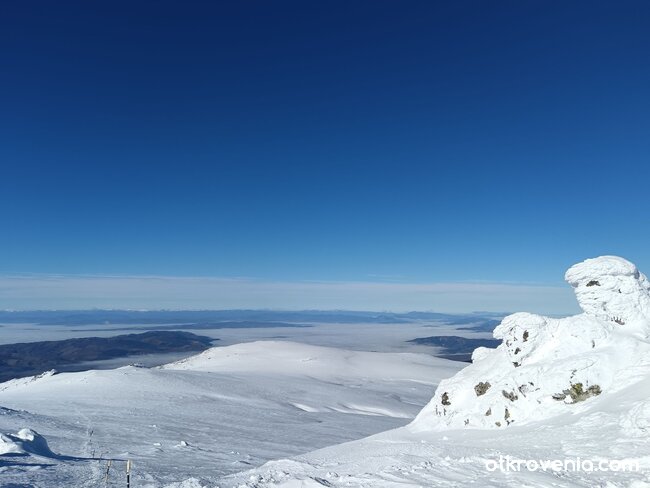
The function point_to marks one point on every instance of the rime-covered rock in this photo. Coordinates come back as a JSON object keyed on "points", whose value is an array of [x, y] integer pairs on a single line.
{"points": [[546, 366], [612, 289]]}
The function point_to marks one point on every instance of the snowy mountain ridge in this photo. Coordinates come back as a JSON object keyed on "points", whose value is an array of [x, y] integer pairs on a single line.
{"points": [[547, 366]]}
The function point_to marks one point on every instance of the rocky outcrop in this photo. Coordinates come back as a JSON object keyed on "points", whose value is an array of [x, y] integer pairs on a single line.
{"points": [[546, 366], [612, 289]]}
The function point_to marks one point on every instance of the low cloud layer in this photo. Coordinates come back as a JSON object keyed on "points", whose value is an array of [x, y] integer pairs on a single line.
{"points": [[155, 292]]}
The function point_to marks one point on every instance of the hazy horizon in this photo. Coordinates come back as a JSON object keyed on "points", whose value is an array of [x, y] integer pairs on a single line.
{"points": [[57, 292]]}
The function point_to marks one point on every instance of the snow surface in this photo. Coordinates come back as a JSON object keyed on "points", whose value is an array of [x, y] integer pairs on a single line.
{"points": [[26, 441], [224, 410], [281, 357]]}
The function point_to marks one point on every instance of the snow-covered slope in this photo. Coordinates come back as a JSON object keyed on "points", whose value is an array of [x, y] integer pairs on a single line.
{"points": [[292, 359], [610, 428], [227, 409], [554, 389]]}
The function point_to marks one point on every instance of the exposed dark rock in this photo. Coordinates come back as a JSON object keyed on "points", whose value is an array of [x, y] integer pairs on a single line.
{"points": [[510, 395], [445, 399], [482, 388], [577, 393]]}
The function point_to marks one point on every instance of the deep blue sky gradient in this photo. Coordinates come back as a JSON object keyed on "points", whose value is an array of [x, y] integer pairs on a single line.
{"points": [[341, 140]]}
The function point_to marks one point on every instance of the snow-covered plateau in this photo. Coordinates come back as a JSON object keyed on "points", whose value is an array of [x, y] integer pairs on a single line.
{"points": [[564, 390]]}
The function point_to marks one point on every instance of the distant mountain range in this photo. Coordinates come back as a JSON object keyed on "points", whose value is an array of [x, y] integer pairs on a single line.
{"points": [[245, 318]]}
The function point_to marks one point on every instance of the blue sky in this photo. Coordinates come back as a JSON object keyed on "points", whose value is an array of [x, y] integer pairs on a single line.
{"points": [[370, 141]]}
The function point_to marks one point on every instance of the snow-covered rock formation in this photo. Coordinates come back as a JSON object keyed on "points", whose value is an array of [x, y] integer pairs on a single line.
{"points": [[546, 366]]}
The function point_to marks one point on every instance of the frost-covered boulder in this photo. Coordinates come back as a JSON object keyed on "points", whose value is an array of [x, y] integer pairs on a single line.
{"points": [[547, 366]]}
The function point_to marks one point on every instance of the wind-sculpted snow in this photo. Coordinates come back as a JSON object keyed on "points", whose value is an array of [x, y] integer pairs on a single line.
{"points": [[612, 289], [25, 442], [546, 366]]}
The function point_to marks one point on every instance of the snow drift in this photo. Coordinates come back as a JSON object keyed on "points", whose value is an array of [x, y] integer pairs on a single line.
{"points": [[547, 366], [25, 442]]}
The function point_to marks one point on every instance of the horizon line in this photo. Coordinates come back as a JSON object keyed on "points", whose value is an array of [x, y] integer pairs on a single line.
{"points": [[133, 292]]}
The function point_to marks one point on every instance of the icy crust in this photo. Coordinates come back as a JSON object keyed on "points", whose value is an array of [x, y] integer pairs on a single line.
{"points": [[545, 366]]}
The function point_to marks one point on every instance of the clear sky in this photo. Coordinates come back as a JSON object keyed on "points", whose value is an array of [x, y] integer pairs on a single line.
{"points": [[404, 142]]}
